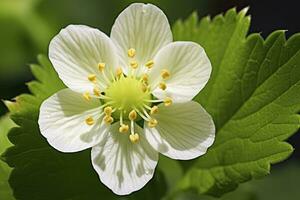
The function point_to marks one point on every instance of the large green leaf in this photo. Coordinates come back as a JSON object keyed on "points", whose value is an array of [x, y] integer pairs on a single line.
{"points": [[253, 96], [5, 190], [40, 171]]}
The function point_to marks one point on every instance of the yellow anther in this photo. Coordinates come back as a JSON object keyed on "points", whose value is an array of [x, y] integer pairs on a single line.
{"points": [[131, 52], [132, 115], [154, 110], [119, 71], [123, 128], [97, 91], [92, 78], [101, 67], [134, 64], [89, 121], [168, 101], [144, 88], [152, 123], [162, 85], [149, 64], [108, 110], [134, 138], [87, 96], [108, 119], [165, 73], [145, 78]]}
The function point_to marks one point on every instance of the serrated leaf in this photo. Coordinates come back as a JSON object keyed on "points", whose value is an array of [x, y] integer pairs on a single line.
{"points": [[40, 171], [253, 96], [5, 190]]}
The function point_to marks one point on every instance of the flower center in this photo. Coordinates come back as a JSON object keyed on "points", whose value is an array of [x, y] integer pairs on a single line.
{"points": [[127, 98], [127, 94]]}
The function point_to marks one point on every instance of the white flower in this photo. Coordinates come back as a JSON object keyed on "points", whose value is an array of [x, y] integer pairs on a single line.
{"points": [[129, 97]]}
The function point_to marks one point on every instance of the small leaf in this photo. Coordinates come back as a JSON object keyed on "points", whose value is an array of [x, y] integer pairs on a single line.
{"points": [[253, 96], [5, 190]]}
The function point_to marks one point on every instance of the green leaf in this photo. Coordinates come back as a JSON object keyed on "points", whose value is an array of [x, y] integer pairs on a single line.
{"points": [[40, 171], [5, 191], [253, 96]]}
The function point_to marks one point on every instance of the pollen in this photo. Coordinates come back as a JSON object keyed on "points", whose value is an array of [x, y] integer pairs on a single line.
{"points": [[123, 128], [134, 64], [154, 110], [152, 123], [119, 71], [108, 110], [87, 96], [89, 121], [168, 101], [149, 64], [101, 67], [134, 138], [162, 85], [131, 52], [132, 115], [145, 78], [165, 74], [97, 91], [92, 78], [108, 119]]}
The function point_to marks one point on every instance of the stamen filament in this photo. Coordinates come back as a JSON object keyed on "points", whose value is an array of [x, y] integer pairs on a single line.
{"points": [[132, 127]]}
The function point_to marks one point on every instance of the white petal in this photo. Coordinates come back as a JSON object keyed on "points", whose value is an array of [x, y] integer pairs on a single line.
{"points": [[184, 131], [122, 166], [143, 27], [76, 52], [189, 67], [62, 121]]}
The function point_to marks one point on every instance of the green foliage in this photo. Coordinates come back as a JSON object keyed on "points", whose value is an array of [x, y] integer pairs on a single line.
{"points": [[5, 190], [253, 96]]}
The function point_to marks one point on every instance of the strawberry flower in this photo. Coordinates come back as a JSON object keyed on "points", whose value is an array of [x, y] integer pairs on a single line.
{"points": [[129, 97]]}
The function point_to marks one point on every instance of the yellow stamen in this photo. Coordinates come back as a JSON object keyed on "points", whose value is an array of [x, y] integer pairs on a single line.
{"points": [[162, 85], [97, 91], [168, 101], [134, 138], [144, 88], [89, 121], [134, 64], [92, 78], [154, 110], [108, 119], [123, 128], [132, 115], [149, 64], [108, 110], [87, 96], [119, 71], [101, 67], [165, 73], [145, 78], [131, 52], [152, 123]]}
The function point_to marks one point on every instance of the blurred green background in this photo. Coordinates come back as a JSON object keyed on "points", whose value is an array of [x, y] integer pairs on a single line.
{"points": [[27, 26]]}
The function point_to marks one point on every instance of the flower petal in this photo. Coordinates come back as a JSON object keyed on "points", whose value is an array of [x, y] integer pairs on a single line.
{"points": [[143, 27], [184, 131], [75, 54], [122, 166], [62, 121], [189, 69]]}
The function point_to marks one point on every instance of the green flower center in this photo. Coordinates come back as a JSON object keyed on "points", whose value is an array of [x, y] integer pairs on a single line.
{"points": [[126, 94]]}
